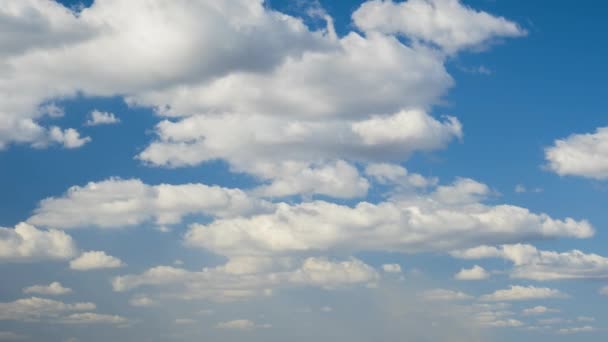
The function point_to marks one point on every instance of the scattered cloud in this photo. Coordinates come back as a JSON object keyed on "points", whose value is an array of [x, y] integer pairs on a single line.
{"points": [[584, 155], [54, 289], [97, 117], [516, 293], [26, 243], [94, 260], [475, 273]]}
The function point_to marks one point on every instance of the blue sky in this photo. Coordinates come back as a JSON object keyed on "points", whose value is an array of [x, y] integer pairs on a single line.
{"points": [[192, 170]]}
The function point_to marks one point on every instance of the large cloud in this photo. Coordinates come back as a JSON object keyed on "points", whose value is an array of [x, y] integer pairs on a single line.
{"points": [[530, 263], [448, 218], [115, 203], [584, 155], [447, 23], [28, 243], [249, 277]]}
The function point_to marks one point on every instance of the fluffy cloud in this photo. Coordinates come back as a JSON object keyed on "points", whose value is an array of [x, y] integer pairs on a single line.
{"points": [[474, 273], [531, 263], [437, 222], [116, 203], [55, 53], [233, 282], [391, 268], [35, 309], [94, 260], [26, 243], [54, 289], [447, 23], [584, 155], [516, 292], [101, 118]]}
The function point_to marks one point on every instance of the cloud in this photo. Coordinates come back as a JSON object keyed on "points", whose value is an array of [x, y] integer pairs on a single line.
{"points": [[240, 324], [94, 260], [53, 289], [436, 222], [35, 309], [515, 293], [448, 24], [391, 268], [142, 301], [116, 203], [531, 263], [445, 295], [584, 155], [184, 321], [69, 138], [93, 318], [576, 330], [26, 243], [101, 118], [538, 310], [604, 291], [474, 273], [233, 282]]}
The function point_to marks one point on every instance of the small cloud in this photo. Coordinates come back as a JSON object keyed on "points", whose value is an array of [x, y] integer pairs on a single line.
{"points": [[11, 336], [576, 330], [391, 268], [142, 301], [95, 260], [445, 295], [69, 137], [475, 273], [327, 309], [538, 310], [184, 321], [101, 118], [53, 289], [241, 324]]}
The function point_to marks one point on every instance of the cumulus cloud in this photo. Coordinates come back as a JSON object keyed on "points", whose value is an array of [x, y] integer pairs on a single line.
{"points": [[101, 118], [54, 289], [516, 293], [26, 243], [35, 309], [475, 273], [116, 203], [94, 260], [437, 222], [531, 263], [448, 24], [584, 155], [142, 301], [233, 282], [69, 138]]}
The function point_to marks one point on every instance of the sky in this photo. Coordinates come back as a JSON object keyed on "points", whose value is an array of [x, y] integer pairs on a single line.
{"points": [[249, 170]]}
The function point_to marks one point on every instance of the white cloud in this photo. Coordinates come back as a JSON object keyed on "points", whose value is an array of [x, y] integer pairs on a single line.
{"points": [[69, 138], [116, 203], [385, 173], [584, 155], [26, 243], [576, 330], [447, 23], [410, 225], [54, 289], [531, 263], [94, 260], [35, 309], [227, 282], [241, 324], [101, 118], [475, 273], [445, 295], [184, 321], [538, 310], [142, 301], [93, 318], [516, 292], [391, 268]]}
